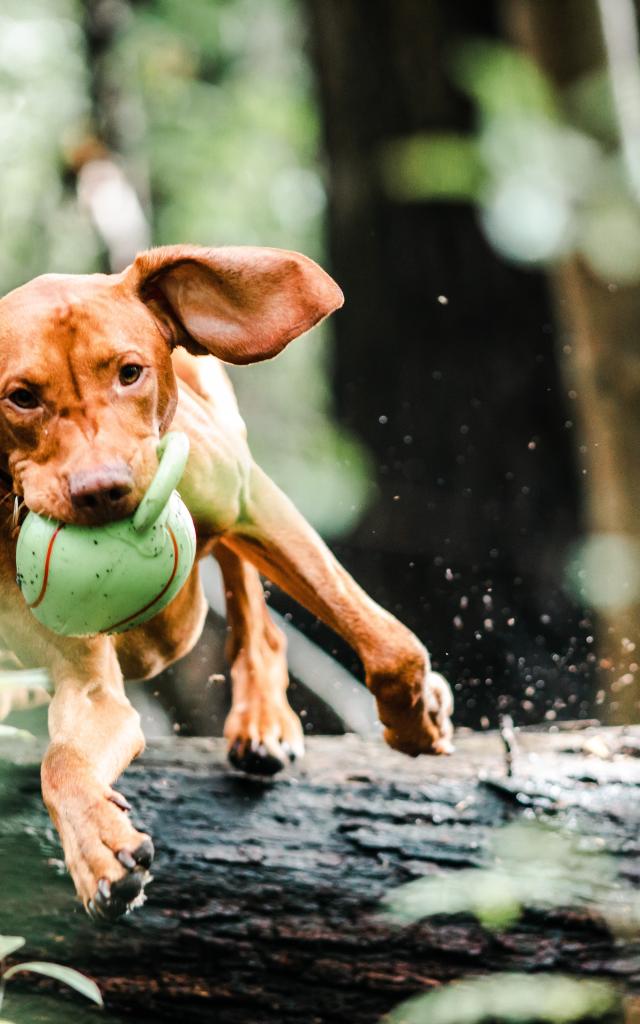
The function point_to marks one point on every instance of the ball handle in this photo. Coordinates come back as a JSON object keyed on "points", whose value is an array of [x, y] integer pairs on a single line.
{"points": [[173, 452]]}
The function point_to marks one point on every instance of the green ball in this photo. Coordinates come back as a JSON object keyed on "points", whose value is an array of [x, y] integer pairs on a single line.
{"points": [[84, 580]]}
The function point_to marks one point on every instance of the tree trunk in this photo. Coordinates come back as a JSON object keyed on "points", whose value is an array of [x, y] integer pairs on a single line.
{"points": [[603, 370], [266, 901]]}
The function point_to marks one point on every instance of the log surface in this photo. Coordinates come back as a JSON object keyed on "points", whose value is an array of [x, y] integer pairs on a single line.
{"points": [[265, 905]]}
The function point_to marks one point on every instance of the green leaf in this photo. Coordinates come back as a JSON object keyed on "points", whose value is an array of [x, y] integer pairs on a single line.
{"points": [[444, 166], [9, 944], [494, 897], [503, 80], [533, 867], [85, 986], [509, 997]]}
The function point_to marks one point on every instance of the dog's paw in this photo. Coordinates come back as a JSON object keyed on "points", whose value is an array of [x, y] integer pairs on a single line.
{"points": [[438, 700], [264, 737], [114, 899], [107, 857], [424, 726]]}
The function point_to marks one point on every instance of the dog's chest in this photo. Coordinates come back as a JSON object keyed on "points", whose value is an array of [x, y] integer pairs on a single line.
{"points": [[215, 479]]}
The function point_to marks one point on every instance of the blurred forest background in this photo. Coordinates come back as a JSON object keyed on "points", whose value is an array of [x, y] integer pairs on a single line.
{"points": [[466, 431]]}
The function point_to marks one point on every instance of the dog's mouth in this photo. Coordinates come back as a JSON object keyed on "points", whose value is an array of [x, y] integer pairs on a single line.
{"points": [[94, 510], [105, 491]]}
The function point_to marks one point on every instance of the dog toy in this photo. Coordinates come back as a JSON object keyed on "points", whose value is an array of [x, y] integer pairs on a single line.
{"points": [[84, 580]]}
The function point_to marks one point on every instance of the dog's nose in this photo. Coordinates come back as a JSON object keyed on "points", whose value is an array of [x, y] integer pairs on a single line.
{"points": [[100, 489]]}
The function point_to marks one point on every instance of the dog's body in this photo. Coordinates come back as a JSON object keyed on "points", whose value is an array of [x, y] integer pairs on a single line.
{"points": [[92, 372]]}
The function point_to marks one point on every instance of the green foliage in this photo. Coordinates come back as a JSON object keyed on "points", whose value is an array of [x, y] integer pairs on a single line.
{"points": [[229, 126], [546, 172], [212, 108], [10, 944], [530, 866], [67, 975], [590, 107], [509, 997], [229, 134], [503, 81], [445, 166], [44, 93]]}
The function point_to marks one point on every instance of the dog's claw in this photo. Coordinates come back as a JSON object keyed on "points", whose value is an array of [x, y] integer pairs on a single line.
{"points": [[123, 895], [126, 890], [98, 907], [254, 759], [126, 860], [104, 888], [119, 800], [113, 899], [144, 854]]}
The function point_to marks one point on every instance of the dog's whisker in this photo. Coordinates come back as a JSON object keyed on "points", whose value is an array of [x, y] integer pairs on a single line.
{"points": [[15, 518]]}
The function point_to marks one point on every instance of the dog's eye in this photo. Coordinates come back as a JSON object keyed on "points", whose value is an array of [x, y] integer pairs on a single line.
{"points": [[130, 373], [23, 399]]}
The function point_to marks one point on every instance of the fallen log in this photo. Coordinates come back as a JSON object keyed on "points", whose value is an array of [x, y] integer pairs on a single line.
{"points": [[266, 902]]}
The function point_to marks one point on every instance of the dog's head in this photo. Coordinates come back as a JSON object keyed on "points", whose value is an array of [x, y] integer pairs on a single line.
{"points": [[86, 379]]}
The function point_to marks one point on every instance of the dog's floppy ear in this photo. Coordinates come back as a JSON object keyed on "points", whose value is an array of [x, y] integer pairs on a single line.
{"points": [[240, 303]]}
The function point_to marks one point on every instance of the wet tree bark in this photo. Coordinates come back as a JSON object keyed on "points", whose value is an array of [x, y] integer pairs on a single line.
{"points": [[266, 901]]}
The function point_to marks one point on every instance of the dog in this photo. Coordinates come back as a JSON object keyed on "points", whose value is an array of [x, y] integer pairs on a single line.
{"points": [[93, 371]]}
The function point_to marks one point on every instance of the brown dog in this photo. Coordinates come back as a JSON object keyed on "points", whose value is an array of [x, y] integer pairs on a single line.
{"points": [[93, 370]]}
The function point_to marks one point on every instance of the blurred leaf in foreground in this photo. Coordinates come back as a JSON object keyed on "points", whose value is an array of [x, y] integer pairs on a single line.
{"points": [[445, 166], [79, 982], [509, 997], [502, 79], [531, 867], [9, 944], [547, 175]]}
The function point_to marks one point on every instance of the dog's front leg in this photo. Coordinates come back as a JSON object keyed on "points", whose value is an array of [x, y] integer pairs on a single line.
{"points": [[414, 703], [263, 732], [95, 733]]}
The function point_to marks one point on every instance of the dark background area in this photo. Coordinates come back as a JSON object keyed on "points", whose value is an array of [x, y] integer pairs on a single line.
{"points": [[460, 402]]}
